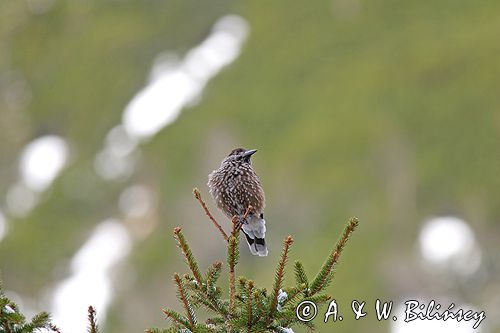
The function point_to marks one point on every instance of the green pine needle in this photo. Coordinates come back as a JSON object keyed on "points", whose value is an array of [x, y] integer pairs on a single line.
{"points": [[325, 275], [188, 255], [300, 274], [177, 318], [278, 279]]}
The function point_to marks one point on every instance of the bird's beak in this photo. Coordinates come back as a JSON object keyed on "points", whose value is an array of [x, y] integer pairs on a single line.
{"points": [[249, 153]]}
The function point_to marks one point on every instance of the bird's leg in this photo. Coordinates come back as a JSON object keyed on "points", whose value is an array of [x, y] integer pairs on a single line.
{"points": [[243, 218], [238, 221]]}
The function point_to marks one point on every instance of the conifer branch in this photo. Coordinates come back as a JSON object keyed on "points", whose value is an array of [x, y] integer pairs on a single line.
{"points": [[181, 293], [215, 306], [197, 195], [325, 275], [235, 221], [258, 302], [248, 308], [208, 294], [176, 318], [249, 304], [300, 274], [39, 321], [188, 255], [92, 320], [294, 293], [13, 321], [54, 328], [278, 280], [232, 259], [212, 275], [243, 287], [157, 330]]}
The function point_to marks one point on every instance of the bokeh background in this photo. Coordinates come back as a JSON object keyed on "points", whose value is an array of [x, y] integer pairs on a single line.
{"points": [[112, 111]]}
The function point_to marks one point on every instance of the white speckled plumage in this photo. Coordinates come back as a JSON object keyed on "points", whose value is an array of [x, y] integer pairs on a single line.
{"points": [[235, 186]]}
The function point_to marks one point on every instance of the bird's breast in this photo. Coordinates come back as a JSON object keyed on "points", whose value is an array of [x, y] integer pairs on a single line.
{"points": [[234, 189]]}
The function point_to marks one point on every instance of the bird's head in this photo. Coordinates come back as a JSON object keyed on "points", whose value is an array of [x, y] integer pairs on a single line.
{"points": [[240, 155]]}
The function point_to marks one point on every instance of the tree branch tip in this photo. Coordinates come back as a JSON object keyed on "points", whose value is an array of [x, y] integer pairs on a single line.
{"points": [[289, 240], [197, 193], [177, 230], [92, 320]]}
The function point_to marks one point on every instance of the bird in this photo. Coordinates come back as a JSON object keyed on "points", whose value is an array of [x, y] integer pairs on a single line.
{"points": [[235, 186]]}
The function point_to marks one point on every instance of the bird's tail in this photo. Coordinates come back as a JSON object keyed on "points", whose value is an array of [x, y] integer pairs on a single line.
{"points": [[255, 233]]}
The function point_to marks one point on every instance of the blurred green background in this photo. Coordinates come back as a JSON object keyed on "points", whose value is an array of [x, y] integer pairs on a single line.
{"points": [[386, 110]]}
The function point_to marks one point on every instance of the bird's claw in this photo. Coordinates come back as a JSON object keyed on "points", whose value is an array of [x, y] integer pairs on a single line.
{"points": [[239, 221], [242, 220]]}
